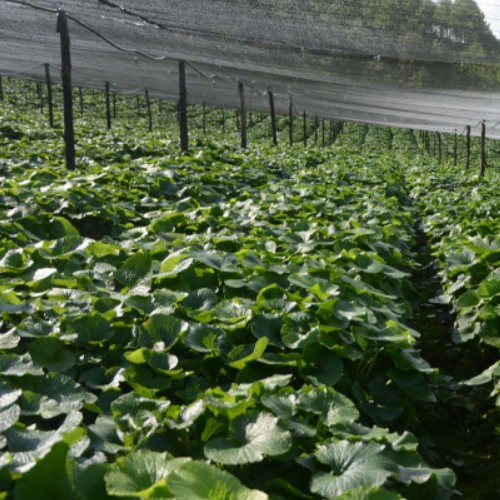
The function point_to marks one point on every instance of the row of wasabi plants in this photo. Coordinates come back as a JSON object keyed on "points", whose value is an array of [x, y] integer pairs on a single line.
{"points": [[220, 324]]}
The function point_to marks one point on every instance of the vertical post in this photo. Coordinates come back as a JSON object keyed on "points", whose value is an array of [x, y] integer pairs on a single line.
{"points": [[483, 148], [183, 119], [204, 118], [148, 106], [315, 130], [1, 89], [446, 150], [39, 93], [241, 89], [50, 101], [290, 120], [467, 159], [69, 132], [304, 127], [434, 145], [440, 145], [273, 118], [80, 93], [455, 149], [108, 106], [323, 132]]}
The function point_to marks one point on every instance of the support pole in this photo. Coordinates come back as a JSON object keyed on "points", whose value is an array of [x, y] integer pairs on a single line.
{"points": [[440, 146], [243, 115], [304, 127], [108, 106], [183, 119], [204, 118], [467, 159], [455, 149], [148, 106], [290, 120], [69, 132], [50, 100], [483, 149], [80, 92], [273, 118]]}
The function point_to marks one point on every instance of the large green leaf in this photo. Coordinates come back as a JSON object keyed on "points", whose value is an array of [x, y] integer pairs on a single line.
{"points": [[135, 272], [143, 474], [49, 352], [51, 477], [161, 328], [200, 481], [252, 438], [351, 465]]}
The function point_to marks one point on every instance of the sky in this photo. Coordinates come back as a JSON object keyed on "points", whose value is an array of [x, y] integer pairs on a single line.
{"points": [[491, 9]]}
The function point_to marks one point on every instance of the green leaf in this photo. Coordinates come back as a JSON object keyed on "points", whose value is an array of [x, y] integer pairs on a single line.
{"points": [[12, 365], [489, 288], [8, 417], [351, 465], [51, 477], [91, 328], [49, 352], [200, 481], [370, 493], [161, 328], [89, 482], [243, 354], [252, 438], [136, 272], [142, 474]]}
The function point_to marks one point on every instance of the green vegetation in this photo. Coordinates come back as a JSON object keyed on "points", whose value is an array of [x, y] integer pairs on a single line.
{"points": [[236, 324]]}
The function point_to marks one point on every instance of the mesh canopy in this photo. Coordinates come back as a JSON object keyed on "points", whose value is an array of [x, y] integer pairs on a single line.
{"points": [[407, 63]]}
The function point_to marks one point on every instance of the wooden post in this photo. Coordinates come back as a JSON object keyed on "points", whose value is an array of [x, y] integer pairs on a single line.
{"points": [[50, 101], [69, 132], [315, 130], [108, 106], [455, 149], [183, 118], [304, 127], [290, 120], [1, 89], [80, 92], [483, 149], [467, 158], [273, 118], [148, 106], [323, 132], [204, 118], [243, 115]]}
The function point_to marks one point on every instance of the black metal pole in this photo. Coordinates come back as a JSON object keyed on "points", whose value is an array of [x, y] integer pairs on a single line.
{"points": [[243, 116], [483, 149], [290, 120], [273, 118], [148, 105], [204, 118], [455, 149], [467, 159], [69, 132], [304, 127], [183, 118], [80, 92], [50, 101], [108, 106]]}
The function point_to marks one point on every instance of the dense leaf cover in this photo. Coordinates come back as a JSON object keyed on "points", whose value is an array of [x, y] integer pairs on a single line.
{"points": [[223, 324]]}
